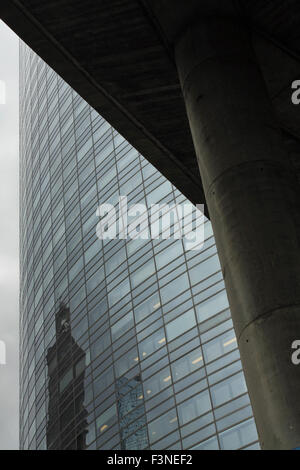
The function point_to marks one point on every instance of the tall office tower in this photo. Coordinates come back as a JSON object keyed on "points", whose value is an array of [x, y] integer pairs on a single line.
{"points": [[125, 344]]}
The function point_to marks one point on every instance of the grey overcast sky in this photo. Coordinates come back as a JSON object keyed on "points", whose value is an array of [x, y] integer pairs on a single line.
{"points": [[9, 263]]}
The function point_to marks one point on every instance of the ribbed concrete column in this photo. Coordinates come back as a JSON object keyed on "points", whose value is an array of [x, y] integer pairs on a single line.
{"points": [[252, 200]]}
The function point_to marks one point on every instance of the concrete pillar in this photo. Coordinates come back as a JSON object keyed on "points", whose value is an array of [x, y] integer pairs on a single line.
{"points": [[251, 194]]}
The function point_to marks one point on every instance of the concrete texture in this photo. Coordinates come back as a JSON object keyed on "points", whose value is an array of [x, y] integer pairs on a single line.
{"points": [[253, 200]]}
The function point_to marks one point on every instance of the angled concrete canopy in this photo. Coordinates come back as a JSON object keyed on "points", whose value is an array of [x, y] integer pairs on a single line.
{"points": [[118, 55]]}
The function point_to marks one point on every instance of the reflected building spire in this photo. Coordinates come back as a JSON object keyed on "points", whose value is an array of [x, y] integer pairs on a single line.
{"points": [[66, 425]]}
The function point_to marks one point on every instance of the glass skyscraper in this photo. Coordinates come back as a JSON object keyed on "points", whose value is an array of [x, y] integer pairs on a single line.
{"points": [[124, 344]]}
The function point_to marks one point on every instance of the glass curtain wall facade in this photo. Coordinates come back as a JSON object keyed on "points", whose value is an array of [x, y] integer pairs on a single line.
{"points": [[125, 344]]}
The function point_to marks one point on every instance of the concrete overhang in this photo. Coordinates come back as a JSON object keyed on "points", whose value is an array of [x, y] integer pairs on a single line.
{"points": [[118, 55]]}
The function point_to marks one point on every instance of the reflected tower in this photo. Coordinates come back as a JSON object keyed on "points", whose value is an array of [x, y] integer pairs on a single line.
{"points": [[131, 411], [66, 426]]}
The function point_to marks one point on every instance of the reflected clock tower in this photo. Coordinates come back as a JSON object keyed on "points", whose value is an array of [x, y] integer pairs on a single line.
{"points": [[66, 425]]}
